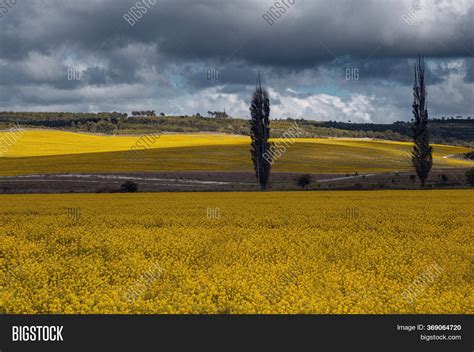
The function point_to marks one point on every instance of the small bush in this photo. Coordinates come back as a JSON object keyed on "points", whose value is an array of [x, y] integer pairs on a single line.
{"points": [[444, 178], [304, 180], [470, 176], [129, 187]]}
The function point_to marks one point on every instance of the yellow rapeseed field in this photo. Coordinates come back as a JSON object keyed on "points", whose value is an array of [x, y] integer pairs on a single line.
{"points": [[45, 152], [281, 252], [50, 142]]}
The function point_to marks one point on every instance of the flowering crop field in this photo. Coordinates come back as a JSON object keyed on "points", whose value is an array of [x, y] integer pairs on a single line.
{"points": [[279, 252], [48, 151]]}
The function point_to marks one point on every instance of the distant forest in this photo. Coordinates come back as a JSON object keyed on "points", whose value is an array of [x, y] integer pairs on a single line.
{"points": [[457, 131]]}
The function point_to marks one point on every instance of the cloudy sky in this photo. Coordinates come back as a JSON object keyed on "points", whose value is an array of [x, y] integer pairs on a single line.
{"points": [[321, 59]]}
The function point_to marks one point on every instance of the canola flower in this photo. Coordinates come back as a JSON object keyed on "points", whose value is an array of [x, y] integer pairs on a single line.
{"points": [[277, 252]]}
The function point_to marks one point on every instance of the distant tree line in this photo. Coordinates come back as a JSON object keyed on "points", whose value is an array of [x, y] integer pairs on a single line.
{"points": [[448, 131], [218, 114], [144, 113], [457, 132]]}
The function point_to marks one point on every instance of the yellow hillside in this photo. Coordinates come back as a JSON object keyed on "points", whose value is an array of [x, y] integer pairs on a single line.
{"points": [[45, 142], [44, 151]]}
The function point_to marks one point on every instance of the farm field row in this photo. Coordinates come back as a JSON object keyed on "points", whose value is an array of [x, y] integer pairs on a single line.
{"points": [[278, 252]]}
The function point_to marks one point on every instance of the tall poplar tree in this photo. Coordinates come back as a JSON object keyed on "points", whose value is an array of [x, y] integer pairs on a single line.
{"points": [[260, 133], [422, 153]]}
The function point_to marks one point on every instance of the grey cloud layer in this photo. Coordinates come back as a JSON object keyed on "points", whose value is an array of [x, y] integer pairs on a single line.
{"points": [[303, 56]]}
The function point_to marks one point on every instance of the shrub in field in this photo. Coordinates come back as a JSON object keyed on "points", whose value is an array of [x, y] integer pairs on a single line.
{"points": [[304, 180], [129, 187]]}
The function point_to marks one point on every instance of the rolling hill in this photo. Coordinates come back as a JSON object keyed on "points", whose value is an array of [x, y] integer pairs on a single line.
{"points": [[47, 152]]}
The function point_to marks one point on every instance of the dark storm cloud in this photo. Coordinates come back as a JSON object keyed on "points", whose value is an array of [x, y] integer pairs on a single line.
{"points": [[310, 32], [170, 50]]}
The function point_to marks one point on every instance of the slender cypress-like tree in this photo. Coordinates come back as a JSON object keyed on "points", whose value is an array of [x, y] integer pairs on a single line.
{"points": [[422, 153], [260, 133]]}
